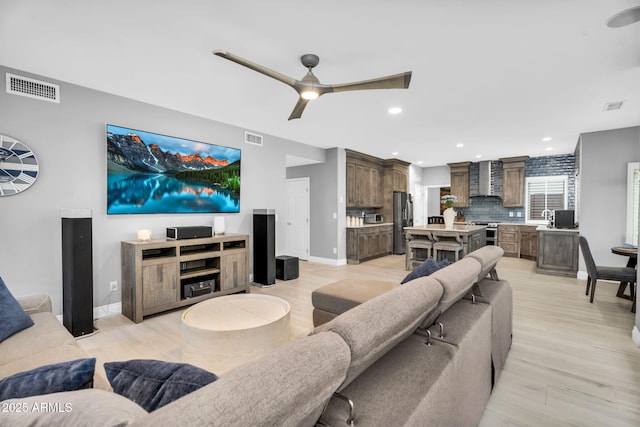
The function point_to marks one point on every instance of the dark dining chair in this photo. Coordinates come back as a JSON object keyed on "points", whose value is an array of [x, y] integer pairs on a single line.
{"points": [[595, 272]]}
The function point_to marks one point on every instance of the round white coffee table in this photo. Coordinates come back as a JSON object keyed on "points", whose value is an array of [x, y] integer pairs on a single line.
{"points": [[224, 332]]}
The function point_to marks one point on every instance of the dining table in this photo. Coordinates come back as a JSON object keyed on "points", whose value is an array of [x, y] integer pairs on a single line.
{"points": [[631, 252]]}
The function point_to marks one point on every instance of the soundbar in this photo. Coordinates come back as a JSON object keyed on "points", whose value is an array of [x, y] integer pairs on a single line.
{"points": [[196, 232]]}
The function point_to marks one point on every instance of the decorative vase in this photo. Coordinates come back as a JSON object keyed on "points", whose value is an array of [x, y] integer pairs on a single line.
{"points": [[218, 225], [449, 216]]}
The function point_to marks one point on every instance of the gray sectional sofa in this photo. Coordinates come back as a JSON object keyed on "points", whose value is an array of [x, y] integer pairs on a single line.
{"points": [[424, 353], [44, 343]]}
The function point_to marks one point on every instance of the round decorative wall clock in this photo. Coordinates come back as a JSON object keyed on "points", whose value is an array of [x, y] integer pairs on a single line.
{"points": [[18, 166]]}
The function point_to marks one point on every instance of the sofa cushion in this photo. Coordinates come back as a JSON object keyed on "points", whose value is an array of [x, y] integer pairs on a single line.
{"points": [[13, 319], [456, 280], [82, 408], [33, 304], [55, 378], [374, 327], [47, 333], [154, 383], [488, 257], [288, 387], [411, 385], [499, 294], [428, 267]]}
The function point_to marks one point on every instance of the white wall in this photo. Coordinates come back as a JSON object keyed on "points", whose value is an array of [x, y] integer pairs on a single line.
{"points": [[327, 210], [603, 189], [69, 142], [603, 194]]}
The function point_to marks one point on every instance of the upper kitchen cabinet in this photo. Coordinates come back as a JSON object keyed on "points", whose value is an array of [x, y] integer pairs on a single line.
{"points": [[513, 174], [460, 183], [364, 180], [396, 174], [395, 178]]}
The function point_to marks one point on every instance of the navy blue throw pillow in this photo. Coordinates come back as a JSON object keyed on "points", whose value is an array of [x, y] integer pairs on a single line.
{"points": [[55, 378], [428, 267], [13, 318], [443, 263], [154, 383]]}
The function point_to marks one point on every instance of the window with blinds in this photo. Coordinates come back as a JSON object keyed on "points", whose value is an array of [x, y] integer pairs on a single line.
{"points": [[633, 202], [544, 192]]}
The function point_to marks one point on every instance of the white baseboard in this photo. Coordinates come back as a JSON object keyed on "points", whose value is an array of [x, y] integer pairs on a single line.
{"points": [[328, 261], [635, 336], [107, 310], [102, 311], [582, 275]]}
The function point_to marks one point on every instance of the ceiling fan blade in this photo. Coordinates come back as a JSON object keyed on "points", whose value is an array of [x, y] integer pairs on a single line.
{"points": [[397, 81], [624, 18], [299, 108], [256, 67]]}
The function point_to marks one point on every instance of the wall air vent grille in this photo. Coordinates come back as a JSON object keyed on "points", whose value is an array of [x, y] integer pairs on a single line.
{"points": [[610, 106], [31, 88], [252, 138]]}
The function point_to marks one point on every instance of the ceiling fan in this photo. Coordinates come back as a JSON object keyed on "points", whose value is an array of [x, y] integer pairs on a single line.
{"points": [[309, 87], [624, 18]]}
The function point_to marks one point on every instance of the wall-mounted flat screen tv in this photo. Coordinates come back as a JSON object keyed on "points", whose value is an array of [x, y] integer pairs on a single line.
{"points": [[151, 173]]}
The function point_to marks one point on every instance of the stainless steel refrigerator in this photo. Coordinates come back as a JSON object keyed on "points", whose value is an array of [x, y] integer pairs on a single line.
{"points": [[402, 217]]}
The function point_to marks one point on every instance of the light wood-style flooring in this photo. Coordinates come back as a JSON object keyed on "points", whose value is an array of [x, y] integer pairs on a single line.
{"points": [[571, 363]]}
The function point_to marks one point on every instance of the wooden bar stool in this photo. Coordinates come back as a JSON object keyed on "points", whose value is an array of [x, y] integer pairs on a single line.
{"points": [[416, 245], [449, 243]]}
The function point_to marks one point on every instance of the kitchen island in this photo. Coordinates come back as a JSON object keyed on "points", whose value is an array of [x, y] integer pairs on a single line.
{"points": [[471, 236], [558, 251]]}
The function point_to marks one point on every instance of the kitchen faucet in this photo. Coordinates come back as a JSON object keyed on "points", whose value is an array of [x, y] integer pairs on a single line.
{"points": [[547, 214]]}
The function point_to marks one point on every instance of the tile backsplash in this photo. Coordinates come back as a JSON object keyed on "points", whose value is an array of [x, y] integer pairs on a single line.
{"points": [[490, 208]]}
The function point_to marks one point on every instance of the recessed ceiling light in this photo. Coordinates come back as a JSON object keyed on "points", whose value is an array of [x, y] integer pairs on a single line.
{"points": [[395, 110], [420, 162], [459, 145], [548, 149], [395, 153], [478, 156], [546, 139]]}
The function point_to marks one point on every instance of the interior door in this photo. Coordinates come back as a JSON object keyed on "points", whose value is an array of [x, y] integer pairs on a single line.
{"points": [[298, 217]]}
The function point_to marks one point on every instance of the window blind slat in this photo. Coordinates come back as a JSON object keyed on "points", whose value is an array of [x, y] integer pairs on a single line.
{"points": [[545, 193]]}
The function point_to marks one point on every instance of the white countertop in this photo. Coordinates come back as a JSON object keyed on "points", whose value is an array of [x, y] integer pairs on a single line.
{"points": [[370, 225], [462, 227], [566, 230]]}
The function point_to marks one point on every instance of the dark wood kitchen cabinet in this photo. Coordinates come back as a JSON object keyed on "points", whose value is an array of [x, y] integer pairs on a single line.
{"points": [[460, 183], [509, 239], [369, 241], [364, 180], [528, 242], [513, 176], [558, 252]]}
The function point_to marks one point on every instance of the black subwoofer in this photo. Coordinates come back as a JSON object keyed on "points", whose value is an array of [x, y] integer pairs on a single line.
{"points": [[286, 267], [77, 272]]}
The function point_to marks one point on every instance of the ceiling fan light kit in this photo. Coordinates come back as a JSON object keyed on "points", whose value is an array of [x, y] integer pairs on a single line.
{"points": [[310, 88]]}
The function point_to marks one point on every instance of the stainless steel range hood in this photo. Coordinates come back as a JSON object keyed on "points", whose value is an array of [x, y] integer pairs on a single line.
{"points": [[484, 180]]}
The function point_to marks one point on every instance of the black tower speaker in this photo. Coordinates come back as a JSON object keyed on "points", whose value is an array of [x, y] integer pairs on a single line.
{"points": [[77, 272], [264, 246]]}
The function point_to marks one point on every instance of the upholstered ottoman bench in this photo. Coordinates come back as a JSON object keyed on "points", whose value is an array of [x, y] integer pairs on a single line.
{"points": [[331, 300]]}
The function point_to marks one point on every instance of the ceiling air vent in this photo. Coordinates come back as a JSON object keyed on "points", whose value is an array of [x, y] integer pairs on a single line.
{"points": [[613, 106], [31, 88], [252, 138]]}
